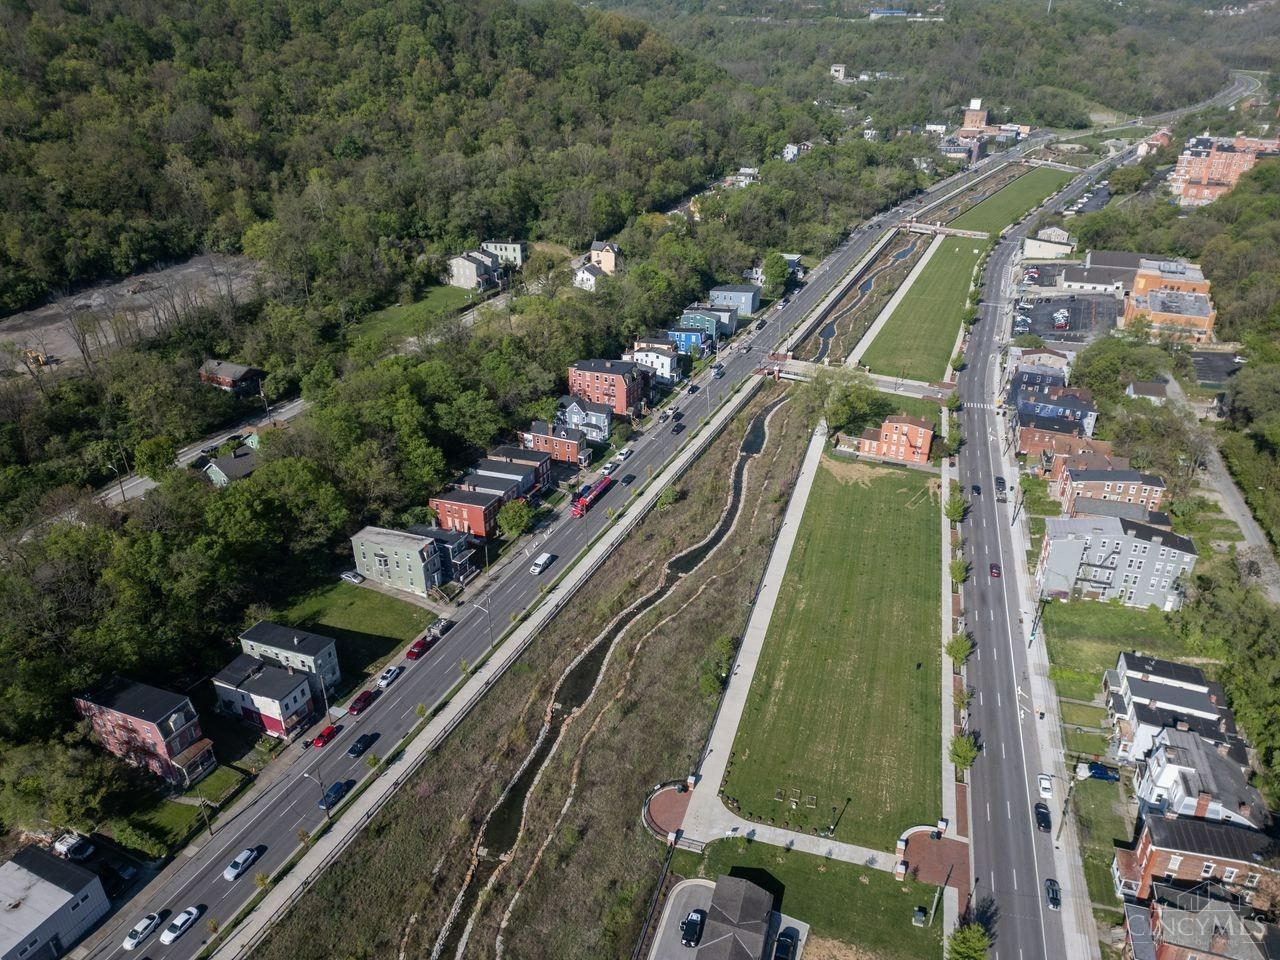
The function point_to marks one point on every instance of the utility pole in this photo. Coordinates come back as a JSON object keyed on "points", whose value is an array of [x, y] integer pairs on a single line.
{"points": [[320, 783]]}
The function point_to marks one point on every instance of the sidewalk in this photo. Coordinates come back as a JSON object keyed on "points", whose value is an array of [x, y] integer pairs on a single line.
{"points": [[951, 898], [855, 358]]}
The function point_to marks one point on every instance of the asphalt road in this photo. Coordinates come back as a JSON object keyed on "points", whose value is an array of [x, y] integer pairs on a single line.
{"points": [[273, 820]]}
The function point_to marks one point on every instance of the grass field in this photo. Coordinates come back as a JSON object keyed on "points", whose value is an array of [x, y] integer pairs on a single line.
{"points": [[1101, 826], [917, 340], [368, 626], [1010, 203], [410, 319], [844, 706], [918, 407], [840, 901]]}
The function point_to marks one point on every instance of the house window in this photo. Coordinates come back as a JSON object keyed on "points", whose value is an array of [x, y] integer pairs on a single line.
{"points": [[1229, 874], [1175, 862], [1207, 869]]}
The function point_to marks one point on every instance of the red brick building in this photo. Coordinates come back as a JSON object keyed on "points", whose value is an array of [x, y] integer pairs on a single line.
{"points": [[1040, 446], [901, 438], [149, 728], [617, 384], [1191, 851], [566, 444], [1127, 486], [1209, 166], [469, 511], [1083, 461]]}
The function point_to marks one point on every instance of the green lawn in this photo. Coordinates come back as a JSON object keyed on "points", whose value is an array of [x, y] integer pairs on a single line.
{"points": [[369, 627], [856, 905], [218, 785], [1011, 203], [1089, 744], [410, 319], [1096, 805], [918, 339], [844, 706], [1038, 501], [918, 407], [1077, 714]]}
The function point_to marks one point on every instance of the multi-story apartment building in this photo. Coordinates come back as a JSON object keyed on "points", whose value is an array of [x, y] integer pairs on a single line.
{"points": [[1111, 558], [1209, 166], [565, 444], [295, 649], [1125, 485], [511, 253], [900, 438], [663, 362], [276, 700], [468, 511], [1189, 851], [1146, 695], [1187, 776], [149, 728], [617, 384]]}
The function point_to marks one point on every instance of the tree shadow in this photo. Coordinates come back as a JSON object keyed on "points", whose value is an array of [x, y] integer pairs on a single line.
{"points": [[986, 914]]}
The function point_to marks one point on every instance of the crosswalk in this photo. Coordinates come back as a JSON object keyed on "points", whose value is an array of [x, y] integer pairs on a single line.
{"points": [[981, 406]]}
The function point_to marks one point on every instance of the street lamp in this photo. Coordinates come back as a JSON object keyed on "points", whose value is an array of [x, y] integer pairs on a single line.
{"points": [[320, 783]]}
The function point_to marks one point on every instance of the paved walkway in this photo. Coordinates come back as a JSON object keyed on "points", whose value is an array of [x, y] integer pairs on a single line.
{"points": [[855, 358]]}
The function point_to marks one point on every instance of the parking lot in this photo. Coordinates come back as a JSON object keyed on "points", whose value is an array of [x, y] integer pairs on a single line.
{"points": [[1090, 316], [1214, 367], [1048, 274]]}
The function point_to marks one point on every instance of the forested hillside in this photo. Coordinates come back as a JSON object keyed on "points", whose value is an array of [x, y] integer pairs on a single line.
{"points": [[1025, 63], [338, 140]]}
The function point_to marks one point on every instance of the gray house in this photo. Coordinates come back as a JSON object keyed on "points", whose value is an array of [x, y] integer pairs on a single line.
{"points": [[593, 419], [743, 297], [414, 560], [232, 466], [310, 653], [46, 905], [1111, 558], [511, 253]]}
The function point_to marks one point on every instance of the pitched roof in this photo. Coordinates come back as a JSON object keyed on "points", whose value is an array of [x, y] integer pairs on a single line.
{"points": [[1053, 424], [913, 421], [257, 678], [737, 921], [1148, 388], [278, 637], [587, 406], [1212, 838], [1209, 771], [63, 874], [225, 368], [237, 464], [1116, 476], [592, 270], [1164, 538], [570, 434], [620, 367], [147, 703], [599, 245]]}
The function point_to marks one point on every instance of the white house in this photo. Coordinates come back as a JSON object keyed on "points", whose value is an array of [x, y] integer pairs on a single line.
{"points": [[473, 270], [1150, 390], [744, 177], [837, 71], [585, 277], [790, 152], [663, 361], [512, 253], [1186, 776]]}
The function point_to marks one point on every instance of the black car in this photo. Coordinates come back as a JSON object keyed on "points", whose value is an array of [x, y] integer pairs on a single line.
{"points": [[976, 490], [1043, 820], [784, 948], [677, 429], [760, 324], [691, 927], [1053, 894], [360, 745], [628, 479], [693, 388], [677, 416], [333, 796], [440, 627]]}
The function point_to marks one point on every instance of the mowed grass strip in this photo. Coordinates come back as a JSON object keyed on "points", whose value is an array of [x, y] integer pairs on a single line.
{"points": [[844, 706], [1010, 203], [917, 340]]}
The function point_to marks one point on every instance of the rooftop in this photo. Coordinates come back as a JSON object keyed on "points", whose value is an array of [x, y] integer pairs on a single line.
{"points": [[571, 434], [1164, 538], [225, 368], [1166, 670], [488, 482], [736, 288], [237, 464], [1121, 259], [1175, 302], [1148, 388], [913, 421], [737, 922], [622, 367], [473, 498], [587, 406], [277, 637], [1172, 269], [1207, 770], [150, 704], [1095, 507], [257, 678], [34, 885], [505, 468], [1211, 837], [1116, 476], [509, 451]]}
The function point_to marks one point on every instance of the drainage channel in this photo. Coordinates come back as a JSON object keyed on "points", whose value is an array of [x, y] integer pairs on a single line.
{"points": [[501, 828], [828, 332]]}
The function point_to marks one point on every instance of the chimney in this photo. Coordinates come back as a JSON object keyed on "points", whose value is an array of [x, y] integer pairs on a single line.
{"points": [[1246, 809], [1202, 803], [296, 640], [1218, 942]]}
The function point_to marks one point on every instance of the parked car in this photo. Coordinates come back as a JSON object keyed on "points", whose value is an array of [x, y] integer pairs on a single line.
{"points": [[361, 703], [440, 627], [351, 576], [784, 948], [1100, 771], [677, 429], [209, 449], [141, 930], [389, 676], [664, 416], [1044, 783], [333, 796], [994, 570], [417, 649], [180, 925], [73, 846], [608, 468], [719, 373], [325, 735], [691, 928], [1053, 894], [244, 859], [760, 323], [360, 744], [1044, 822], [625, 453]]}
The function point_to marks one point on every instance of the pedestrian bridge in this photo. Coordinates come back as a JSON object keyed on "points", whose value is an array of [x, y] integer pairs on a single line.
{"points": [[915, 226], [785, 368]]}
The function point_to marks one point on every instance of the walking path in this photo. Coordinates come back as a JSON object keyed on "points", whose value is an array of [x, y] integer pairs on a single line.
{"points": [[855, 358]]}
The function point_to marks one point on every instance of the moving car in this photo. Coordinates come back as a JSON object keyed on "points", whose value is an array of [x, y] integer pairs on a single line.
{"points": [[389, 676], [691, 928], [333, 796], [209, 449], [240, 864], [609, 467], [540, 563], [1044, 783], [141, 930], [760, 323], [719, 373], [440, 627], [361, 744], [73, 846], [677, 429], [325, 735], [995, 571], [180, 925], [352, 576], [628, 479], [417, 649], [361, 703], [1044, 822], [976, 490], [693, 388], [1053, 894]]}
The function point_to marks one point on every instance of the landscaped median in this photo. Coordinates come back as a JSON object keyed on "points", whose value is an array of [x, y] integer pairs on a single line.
{"points": [[1012, 202], [842, 724]]}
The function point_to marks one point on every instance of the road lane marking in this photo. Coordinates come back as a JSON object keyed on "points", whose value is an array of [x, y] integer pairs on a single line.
{"points": [[1015, 886], [988, 813], [1002, 756], [1008, 810]]}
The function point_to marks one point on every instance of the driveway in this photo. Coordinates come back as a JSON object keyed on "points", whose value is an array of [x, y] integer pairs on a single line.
{"points": [[684, 896]]}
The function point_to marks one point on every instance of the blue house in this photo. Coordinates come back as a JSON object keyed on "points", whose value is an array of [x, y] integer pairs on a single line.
{"points": [[687, 339], [743, 297], [717, 321]]}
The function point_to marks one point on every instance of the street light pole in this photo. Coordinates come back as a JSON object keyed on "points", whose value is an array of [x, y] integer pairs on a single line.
{"points": [[320, 783]]}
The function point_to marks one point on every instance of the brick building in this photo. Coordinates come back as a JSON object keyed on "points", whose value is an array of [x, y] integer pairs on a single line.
{"points": [[1040, 446], [1209, 166], [149, 728], [900, 438], [565, 444], [274, 699], [1127, 486], [1190, 851], [617, 384], [470, 511]]}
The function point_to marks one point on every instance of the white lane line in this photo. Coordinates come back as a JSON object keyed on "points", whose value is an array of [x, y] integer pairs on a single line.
{"points": [[988, 813], [1008, 810], [1015, 881], [1002, 756], [999, 703], [991, 614], [981, 702]]}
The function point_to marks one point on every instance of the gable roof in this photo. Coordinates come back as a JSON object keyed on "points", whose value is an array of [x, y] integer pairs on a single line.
{"points": [[599, 245], [592, 271], [586, 406], [237, 464], [912, 421], [624, 368], [278, 637], [1164, 669], [737, 921], [570, 434], [147, 703], [257, 678], [225, 368]]}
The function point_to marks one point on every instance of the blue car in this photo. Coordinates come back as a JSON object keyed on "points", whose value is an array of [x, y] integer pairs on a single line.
{"points": [[1100, 771], [333, 796]]}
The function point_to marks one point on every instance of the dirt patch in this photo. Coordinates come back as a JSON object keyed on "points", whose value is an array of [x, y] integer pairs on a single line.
{"points": [[820, 948], [850, 471]]}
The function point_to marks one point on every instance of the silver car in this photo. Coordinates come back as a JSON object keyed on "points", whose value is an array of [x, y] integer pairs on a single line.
{"points": [[244, 859], [141, 930], [180, 925]]}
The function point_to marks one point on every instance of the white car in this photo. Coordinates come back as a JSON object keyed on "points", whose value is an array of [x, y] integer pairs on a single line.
{"points": [[389, 677], [1045, 783], [624, 453], [352, 577], [141, 930], [240, 864], [180, 925], [609, 467], [73, 846]]}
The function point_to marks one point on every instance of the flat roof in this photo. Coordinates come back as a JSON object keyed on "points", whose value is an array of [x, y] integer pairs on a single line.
{"points": [[1176, 302], [280, 637], [510, 451], [1212, 837], [736, 288], [473, 498], [35, 885]]}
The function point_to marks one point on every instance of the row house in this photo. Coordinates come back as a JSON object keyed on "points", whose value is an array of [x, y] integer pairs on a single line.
{"points": [[595, 420], [1109, 558], [510, 253], [540, 462], [900, 438], [1041, 447], [1200, 923], [1146, 695], [690, 341], [563, 444], [1209, 166], [617, 384], [1187, 776], [1190, 852], [718, 320], [149, 728], [1125, 485], [744, 298], [467, 511], [663, 361], [1063, 462], [1090, 507], [474, 270], [311, 653], [528, 477], [271, 698], [414, 560]]}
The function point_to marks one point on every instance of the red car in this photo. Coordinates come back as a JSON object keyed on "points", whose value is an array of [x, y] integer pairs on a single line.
{"points": [[327, 734], [417, 649], [361, 703], [995, 571]]}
